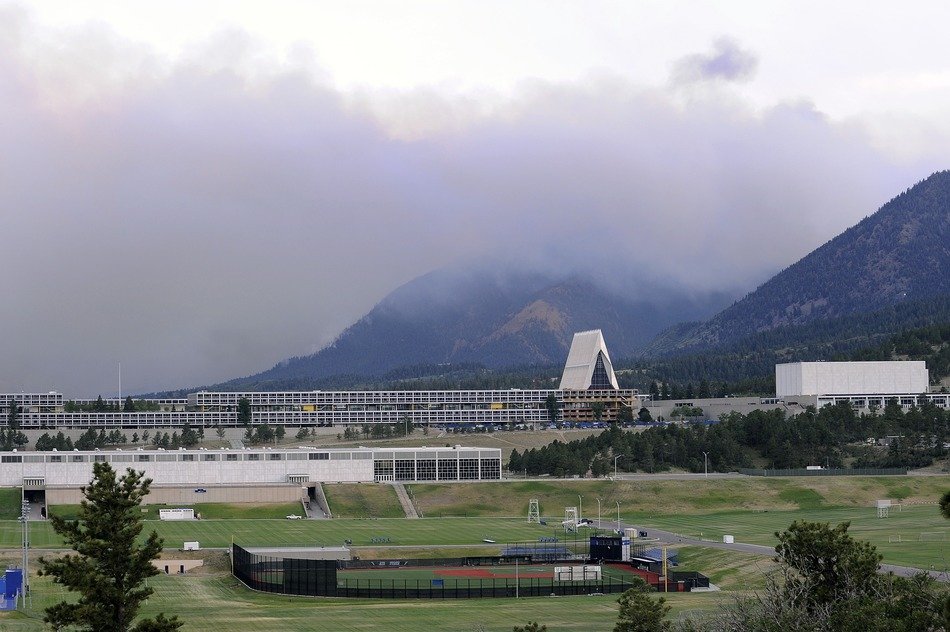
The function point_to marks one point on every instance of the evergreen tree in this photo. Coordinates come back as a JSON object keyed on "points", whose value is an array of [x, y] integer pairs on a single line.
{"points": [[597, 408], [553, 408], [13, 415], [704, 391], [641, 613], [109, 567], [129, 405], [244, 412]]}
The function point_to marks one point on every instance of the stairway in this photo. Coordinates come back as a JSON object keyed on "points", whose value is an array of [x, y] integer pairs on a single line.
{"points": [[405, 501], [322, 505]]}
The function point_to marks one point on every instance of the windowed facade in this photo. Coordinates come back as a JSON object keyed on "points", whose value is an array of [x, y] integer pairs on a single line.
{"points": [[207, 468]]}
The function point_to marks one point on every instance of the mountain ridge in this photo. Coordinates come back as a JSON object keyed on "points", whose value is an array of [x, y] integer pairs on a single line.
{"points": [[899, 253]]}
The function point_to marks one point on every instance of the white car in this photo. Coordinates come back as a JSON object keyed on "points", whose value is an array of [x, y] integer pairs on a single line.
{"points": [[294, 517]]}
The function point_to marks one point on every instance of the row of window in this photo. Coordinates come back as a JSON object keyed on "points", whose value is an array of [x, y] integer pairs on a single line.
{"points": [[384, 397], [438, 470], [130, 457]]}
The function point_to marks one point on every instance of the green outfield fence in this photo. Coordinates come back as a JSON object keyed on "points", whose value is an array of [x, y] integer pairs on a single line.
{"points": [[864, 471], [318, 578]]}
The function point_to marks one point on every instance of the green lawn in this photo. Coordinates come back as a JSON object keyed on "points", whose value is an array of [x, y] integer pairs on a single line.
{"points": [[363, 500], [914, 549], [219, 602]]}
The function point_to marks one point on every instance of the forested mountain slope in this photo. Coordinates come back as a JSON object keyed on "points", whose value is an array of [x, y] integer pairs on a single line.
{"points": [[489, 318], [900, 253]]}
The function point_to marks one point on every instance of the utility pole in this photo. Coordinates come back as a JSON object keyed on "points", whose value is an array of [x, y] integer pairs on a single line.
{"points": [[615, 465], [618, 515], [598, 513], [706, 463], [580, 508]]}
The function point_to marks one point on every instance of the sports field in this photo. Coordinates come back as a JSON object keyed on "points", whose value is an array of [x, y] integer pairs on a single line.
{"points": [[923, 533], [390, 531]]}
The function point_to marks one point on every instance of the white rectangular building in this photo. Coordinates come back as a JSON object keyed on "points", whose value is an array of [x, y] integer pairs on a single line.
{"points": [[851, 378]]}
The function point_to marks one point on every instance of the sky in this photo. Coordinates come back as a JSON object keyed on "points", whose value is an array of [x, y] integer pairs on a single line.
{"points": [[200, 189]]}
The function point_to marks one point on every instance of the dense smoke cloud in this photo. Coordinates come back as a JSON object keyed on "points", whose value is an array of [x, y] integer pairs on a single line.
{"points": [[204, 219], [727, 62]]}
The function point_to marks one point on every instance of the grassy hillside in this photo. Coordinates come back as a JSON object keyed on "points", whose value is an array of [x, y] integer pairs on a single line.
{"points": [[674, 496], [363, 500], [10, 503]]}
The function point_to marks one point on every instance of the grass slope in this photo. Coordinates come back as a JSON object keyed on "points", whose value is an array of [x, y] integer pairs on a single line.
{"points": [[363, 500], [674, 496], [10, 503], [924, 533]]}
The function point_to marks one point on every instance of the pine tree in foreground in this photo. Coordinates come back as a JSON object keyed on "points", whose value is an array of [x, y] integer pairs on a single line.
{"points": [[109, 567]]}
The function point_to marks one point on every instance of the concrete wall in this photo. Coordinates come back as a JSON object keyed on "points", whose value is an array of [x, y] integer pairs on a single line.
{"points": [[197, 473], [175, 566], [187, 496]]}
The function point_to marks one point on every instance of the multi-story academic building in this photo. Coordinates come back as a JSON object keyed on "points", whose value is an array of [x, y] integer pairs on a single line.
{"points": [[588, 391]]}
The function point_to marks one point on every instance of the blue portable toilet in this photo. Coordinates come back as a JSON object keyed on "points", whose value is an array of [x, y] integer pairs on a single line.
{"points": [[11, 585]]}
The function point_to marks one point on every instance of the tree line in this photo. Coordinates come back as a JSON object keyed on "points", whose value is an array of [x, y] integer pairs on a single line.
{"points": [[835, 436]]}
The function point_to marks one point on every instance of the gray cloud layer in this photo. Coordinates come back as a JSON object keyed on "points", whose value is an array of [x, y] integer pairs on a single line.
{"points": [[197, 225]]}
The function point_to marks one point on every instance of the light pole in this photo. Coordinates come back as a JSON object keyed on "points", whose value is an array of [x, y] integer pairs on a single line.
{"points": [[580, 507], [598, 513], [25, 517], [615, 464], [706, 463], [618, 516]]}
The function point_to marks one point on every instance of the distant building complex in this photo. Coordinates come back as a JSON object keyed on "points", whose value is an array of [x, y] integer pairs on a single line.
{"points": [[588, 392]]}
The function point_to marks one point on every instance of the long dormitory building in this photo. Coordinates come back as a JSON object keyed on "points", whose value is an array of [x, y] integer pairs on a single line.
{"points": [[588, 392]]}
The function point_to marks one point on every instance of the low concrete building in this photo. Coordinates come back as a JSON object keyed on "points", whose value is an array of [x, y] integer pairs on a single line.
{"points": [[249, 475]]}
